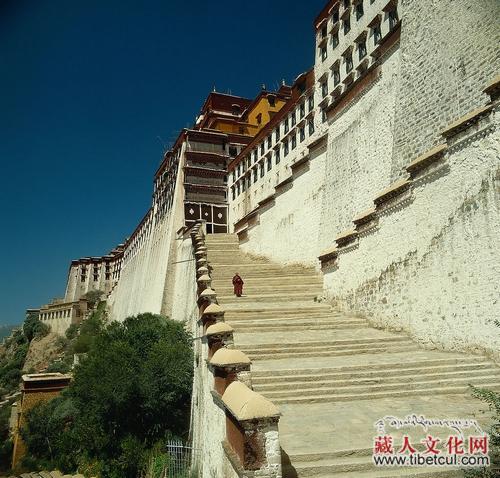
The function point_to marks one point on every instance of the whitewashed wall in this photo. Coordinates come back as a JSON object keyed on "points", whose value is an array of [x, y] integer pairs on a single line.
{"points": [[431, 267], [336, 184]]}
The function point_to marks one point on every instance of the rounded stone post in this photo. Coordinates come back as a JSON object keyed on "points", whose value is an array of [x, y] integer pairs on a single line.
{"points": [[252, 440], [229, 365], [211, 314], [219, 335], [201, 271], [204, 282]]}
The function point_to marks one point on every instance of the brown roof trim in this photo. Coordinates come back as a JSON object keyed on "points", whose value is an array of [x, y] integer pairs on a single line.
{"points": [[267, 199], [206, 156], [465, 121], [283, 183], [300, 162], [493, 88], [252, 213], [364, 217], [328, 254], [324, 13], [346, 237], [395, 189], [213, 136], [206, 171], [426, 159], [193, 186], [317, 142]]}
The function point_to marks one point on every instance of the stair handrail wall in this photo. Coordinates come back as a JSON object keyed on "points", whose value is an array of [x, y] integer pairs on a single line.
{"points": [[251, 444]]}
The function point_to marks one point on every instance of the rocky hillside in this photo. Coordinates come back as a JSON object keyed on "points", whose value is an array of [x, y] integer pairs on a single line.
{"points": [[43, 351]]}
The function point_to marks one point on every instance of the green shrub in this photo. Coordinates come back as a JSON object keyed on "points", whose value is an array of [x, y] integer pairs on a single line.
{"points": [[493, 400], [72, 331], [93, 297], [33, 327], [5, 442], [132, 391]]}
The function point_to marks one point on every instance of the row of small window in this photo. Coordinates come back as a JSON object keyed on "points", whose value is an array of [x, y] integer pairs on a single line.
{"points": [[377, 35], [83, 277], [289, 122], [59, 314], [288, 144], [358, 10]]}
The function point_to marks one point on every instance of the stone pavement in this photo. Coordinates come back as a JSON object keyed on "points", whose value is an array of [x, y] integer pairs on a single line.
{"points": [[332, 375]]}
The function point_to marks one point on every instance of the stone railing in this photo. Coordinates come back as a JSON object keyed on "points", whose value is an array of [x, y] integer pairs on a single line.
{"points": [[251, 443]]}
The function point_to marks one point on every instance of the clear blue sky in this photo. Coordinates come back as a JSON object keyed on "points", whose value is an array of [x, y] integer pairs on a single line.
{"points": [[85, 89]]}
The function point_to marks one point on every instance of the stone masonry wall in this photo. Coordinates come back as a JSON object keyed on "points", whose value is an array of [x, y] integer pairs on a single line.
{"points": [[320, 203], [431, 265], [146, 279], [142, 281], [449, 51]]}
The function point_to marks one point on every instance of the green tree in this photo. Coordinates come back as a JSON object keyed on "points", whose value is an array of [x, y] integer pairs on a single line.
{"points": [[33, 327], [93, 297], [5, 442], [130, 393]]}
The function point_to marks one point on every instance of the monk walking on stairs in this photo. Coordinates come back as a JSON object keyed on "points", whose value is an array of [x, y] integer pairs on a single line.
{"points": [[238, 285]]}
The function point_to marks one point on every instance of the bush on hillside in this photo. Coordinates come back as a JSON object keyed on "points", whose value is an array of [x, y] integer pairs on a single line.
{"points": [[130, 394], [93, 297], [33, 327]]}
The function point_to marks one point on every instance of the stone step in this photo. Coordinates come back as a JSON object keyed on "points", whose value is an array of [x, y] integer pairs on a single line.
{"points": [[299, 284], [347, 464], [284, 327], [252, 274], [226, 288], [279, 310], [324, 343], [322, 347], [270, 320], [256, 269], [283, 276], [381, 380], [300, 297], [323, 397], [271, 381], [355, 466], [271, 316], [278, 320], [386, 366], [310, 308], [273, 354], [396, 472]]}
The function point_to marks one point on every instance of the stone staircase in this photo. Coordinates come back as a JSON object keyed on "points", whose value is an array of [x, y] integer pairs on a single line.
{"points": [[332, 375]]}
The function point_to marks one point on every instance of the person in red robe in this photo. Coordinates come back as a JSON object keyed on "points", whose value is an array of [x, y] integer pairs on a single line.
{"points": [[238, 285]]}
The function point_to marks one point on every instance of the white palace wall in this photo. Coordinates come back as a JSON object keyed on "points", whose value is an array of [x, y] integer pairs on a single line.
{"points": [[429, 262], [431, 265], [336, 182], [145, 283]]}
